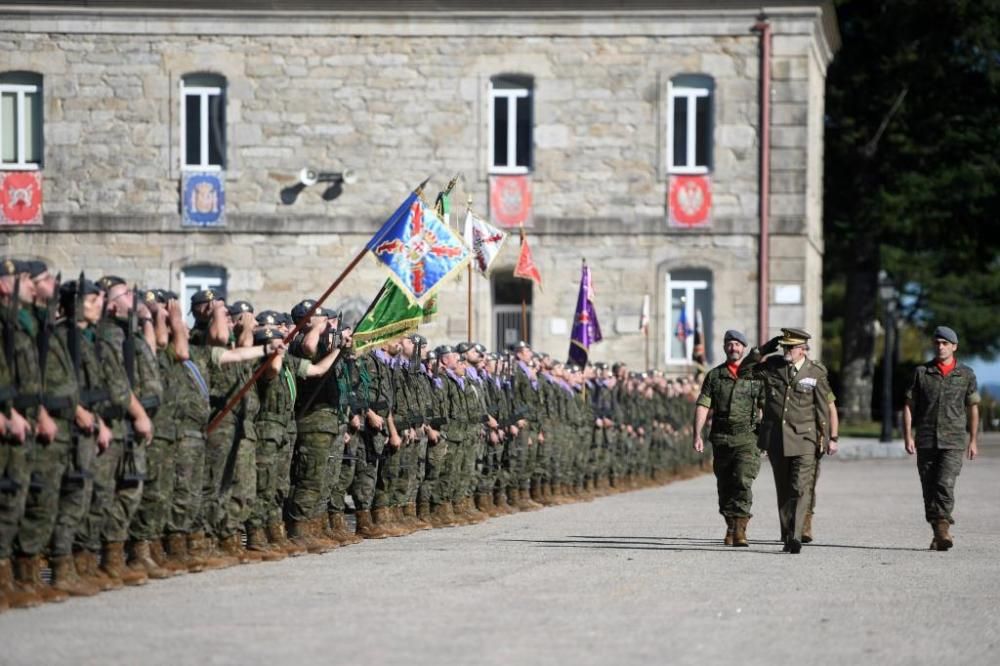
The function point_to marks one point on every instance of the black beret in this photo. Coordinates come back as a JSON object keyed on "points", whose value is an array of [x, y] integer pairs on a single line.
{"points": [[238, 308], [109, 281], [521, 344], [13, 267], [268, 318], [441, 350], [207, 296], [302, 309], [463, 347], [69, 288], [262, 335], [36, 267]]}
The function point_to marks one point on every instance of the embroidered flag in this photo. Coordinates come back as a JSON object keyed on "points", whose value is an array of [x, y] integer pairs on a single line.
{"points": [[419, 250], [392, 316], [586, 329], [485, 241], [526, 267], [644, 317]]}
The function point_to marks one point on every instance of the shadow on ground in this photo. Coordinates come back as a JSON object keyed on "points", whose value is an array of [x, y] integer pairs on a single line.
{"points": [[680, 544]]}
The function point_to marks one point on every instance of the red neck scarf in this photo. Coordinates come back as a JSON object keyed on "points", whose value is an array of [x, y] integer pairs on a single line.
{"points": [[946, 368], [733, 368]]}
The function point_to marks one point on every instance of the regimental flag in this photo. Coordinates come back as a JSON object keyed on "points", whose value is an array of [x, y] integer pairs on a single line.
{"points": [[698, 353], [644, 317], [586, 329], [683, 330], [391, 317], [419, 250], [526, 267], [485, 240]]}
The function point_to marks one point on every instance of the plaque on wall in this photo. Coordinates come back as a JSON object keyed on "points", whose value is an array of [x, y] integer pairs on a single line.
{"points": [[689, 201], [510, 200], [20, 198], [204, 199]]}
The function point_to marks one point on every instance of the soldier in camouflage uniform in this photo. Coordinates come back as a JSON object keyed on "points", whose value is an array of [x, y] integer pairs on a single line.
{"points": [[942, 402], [528, 405], [734, 405], [17, 291]]}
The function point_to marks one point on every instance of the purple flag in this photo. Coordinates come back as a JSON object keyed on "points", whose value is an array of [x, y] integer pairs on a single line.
{"points": [[586, 330]]}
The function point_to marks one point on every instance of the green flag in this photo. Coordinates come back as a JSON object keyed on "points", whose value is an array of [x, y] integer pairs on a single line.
{"points": [[392, 317]]}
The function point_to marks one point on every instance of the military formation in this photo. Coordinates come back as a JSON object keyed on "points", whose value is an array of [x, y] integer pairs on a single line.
{"points": [[134, 448]]}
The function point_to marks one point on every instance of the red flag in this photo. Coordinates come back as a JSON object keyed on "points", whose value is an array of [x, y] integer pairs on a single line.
{"points": [[526, 267]]}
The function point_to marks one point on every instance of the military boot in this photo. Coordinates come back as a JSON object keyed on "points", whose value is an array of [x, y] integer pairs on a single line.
{"points": [[232, 547], [31, 574], [383, 520], [441, 517], [500, 504], [66, 578], [338, 525], [175, 567], [321, 533], [366, 528], [730, 530], [178, 554], [257, 542], [113, 565], [279, 538], [202, 549], [942, 535], [483, 501], [740, 533], [472, 514], [525, 502], [410, 512], [15, 595], [142, 560], [807, 528], [402, 521], [86, 568]]}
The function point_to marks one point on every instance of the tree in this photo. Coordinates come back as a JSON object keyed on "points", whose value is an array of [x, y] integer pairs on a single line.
{"points": [[912, 175]]}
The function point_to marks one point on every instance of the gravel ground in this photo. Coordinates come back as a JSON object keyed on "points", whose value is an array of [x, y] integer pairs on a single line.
{"points": [[627, 579]]}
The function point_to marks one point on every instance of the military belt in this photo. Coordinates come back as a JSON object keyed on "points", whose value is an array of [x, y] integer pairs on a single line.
{"points": [[57, 405], [112, 413], [26, 401], [89, 397], [7, 393], [150, 402]]}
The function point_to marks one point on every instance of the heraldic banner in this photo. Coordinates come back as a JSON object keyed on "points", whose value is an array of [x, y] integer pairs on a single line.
{"points": [[689, 201], [20, 197], [203, 199], [418, 249], [510, 201]]}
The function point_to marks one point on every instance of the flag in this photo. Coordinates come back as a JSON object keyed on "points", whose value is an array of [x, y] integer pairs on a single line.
{"points": [[443, 206], [586, 329], [698, 353], [683, 330], [392, 316], [644, 317], [526, 267], [419, 250], [485, 241]]}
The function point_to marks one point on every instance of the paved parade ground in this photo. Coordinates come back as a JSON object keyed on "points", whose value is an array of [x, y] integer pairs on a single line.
{"points": [[636, 578]]}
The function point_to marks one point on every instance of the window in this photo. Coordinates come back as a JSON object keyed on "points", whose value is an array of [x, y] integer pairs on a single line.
{"points": [[196, 278], [511, 300], [20, 121], [689, 296], [203, 122], [689, 124], [510, 124]]}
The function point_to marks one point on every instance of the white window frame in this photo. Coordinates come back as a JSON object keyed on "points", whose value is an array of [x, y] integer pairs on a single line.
{"points": [[203, 93], [510, 97], [194, 279], [689, 287], [689, 96], [19, 90]]}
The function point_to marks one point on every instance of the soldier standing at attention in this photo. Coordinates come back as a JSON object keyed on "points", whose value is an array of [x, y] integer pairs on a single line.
{"points": [[942, 402], [734, 404], [798, 424]]}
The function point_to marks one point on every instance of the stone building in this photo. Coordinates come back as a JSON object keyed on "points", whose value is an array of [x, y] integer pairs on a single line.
{"points": [[599, 108]]}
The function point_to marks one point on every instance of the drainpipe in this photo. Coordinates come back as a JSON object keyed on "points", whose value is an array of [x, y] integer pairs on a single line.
{"points": [[763, 28]]}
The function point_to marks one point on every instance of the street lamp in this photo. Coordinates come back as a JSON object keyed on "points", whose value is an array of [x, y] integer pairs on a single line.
{"points": [[890, 298], [309, 177]]}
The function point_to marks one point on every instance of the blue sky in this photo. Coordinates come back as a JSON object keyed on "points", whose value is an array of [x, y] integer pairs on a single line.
{"points": [[987, 372]]}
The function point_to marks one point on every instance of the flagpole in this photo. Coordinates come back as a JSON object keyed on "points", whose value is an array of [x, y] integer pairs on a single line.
{"points": [[646, 335], [468, 316], [235, 400], [524, 305]]}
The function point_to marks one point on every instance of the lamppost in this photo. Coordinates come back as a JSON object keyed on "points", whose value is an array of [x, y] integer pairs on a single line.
{"points": [[890, 299]]}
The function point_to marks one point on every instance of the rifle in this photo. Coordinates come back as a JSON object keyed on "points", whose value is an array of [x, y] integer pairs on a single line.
{"points": [[131, 476]]}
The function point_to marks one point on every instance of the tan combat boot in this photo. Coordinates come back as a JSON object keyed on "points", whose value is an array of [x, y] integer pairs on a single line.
{"points": [[441, 517], [500, 504], [807, 528], [257, 542], [321, 533], [114, 565], [366, 528], [164, 561], [28, 572], [300, 533], [277, 535], [402, 521], [15, 595], [142, 560], [942, 535], [410, 512], [66, 578], [338, 525], [383, 519], [740, 535], [87, 568], [483, 501], [730, 531], [202, 549], [178, 554]]}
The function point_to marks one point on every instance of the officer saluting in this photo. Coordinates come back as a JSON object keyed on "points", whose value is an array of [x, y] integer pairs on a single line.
{"points": [[798, 424]]}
